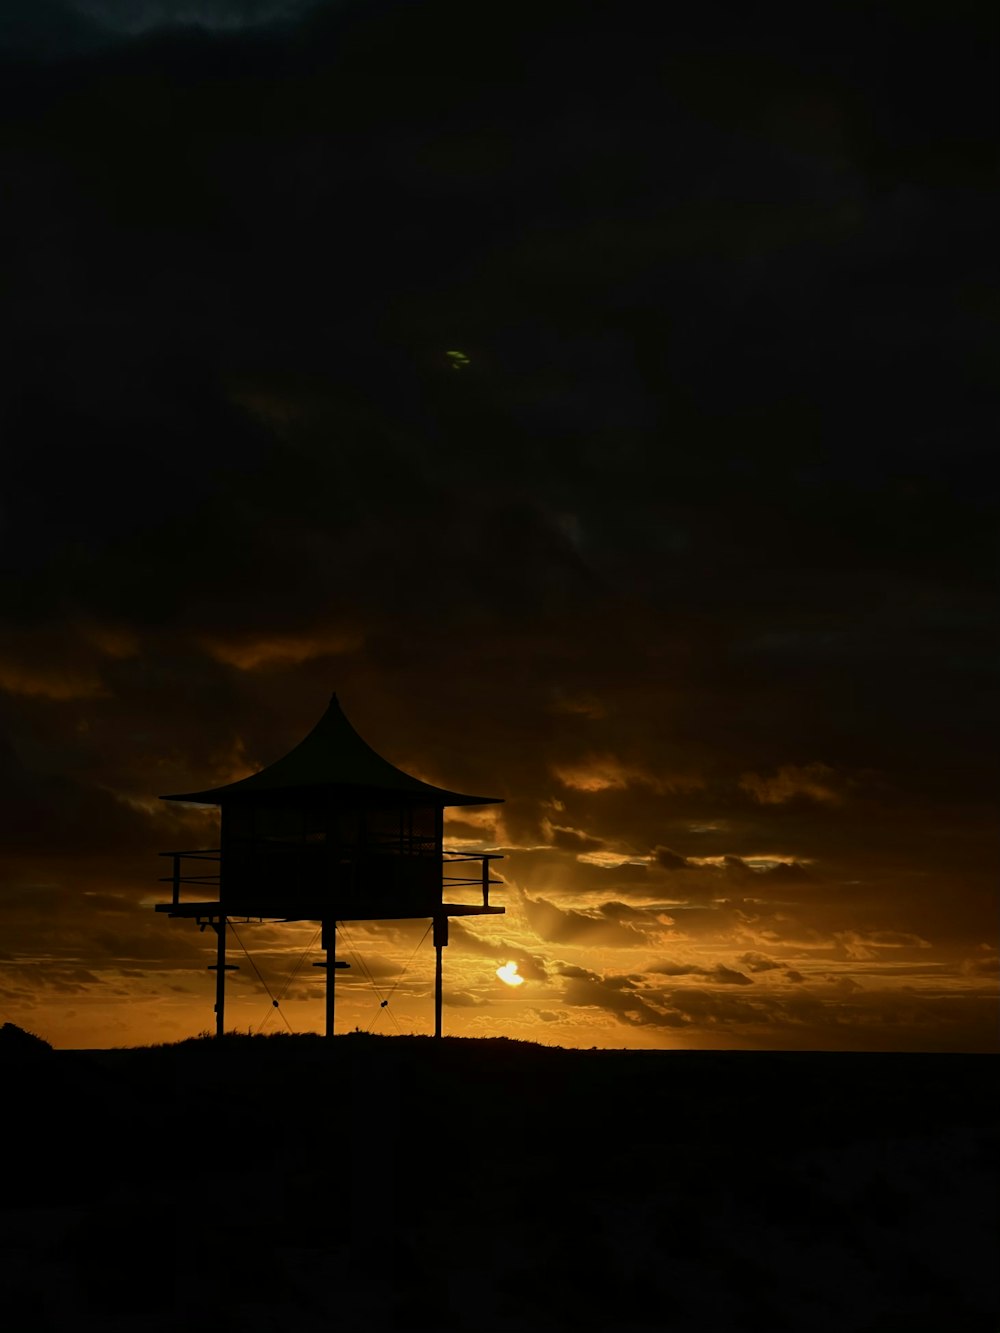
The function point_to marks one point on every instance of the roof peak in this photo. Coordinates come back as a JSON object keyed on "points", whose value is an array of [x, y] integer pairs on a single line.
{"points": [[332, 755]]}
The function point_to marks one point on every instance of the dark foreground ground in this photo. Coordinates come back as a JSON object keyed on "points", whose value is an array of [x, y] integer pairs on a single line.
{"points": [[395, 1183]]}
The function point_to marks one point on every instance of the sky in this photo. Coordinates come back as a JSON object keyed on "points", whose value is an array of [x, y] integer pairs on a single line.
{"points": [[597, 398]]}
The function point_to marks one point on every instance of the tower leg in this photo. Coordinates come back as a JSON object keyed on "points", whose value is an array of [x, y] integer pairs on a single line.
{"points": [[437, 991], [220, 977], [330, 945], [440, 940]]}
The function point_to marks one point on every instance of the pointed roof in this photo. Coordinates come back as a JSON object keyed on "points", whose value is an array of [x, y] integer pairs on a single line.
{"points": [[333, 755]]}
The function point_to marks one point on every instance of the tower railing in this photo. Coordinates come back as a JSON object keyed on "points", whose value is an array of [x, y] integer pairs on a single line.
{"points": [[481, 880], [450, 859], [213, 855]]}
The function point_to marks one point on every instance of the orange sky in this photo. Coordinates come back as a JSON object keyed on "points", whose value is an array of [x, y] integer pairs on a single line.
{"points": [[628, 923]]}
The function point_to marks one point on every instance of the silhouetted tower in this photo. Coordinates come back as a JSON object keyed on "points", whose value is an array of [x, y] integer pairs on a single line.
{"points": [[331, 832]]}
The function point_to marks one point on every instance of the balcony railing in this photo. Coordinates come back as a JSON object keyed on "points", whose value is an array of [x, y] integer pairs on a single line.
{"points": [[450, 860], [481, 879], [213, 855]]}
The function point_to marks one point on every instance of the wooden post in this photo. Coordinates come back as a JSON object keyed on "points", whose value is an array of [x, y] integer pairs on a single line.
{"points": [[329, 942], [220, 976], [437, 991], [440, 940]]}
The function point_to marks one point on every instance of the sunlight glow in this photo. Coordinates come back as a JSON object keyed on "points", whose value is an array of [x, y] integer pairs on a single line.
{"points": [[508, 974]]}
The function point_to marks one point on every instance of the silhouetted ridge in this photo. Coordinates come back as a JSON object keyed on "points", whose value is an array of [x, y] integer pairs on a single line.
{"points": [[15, 1041]]}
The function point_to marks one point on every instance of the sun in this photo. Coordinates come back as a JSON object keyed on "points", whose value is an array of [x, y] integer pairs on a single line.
{"points": [[508, 974]]}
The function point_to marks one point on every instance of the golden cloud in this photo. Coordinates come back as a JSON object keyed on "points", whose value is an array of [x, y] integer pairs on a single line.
{"points": [[57, 661], [113, 641], [253, 652], [607, 772], [814, 781], [59, 683], [584, 705], [612, 860]]}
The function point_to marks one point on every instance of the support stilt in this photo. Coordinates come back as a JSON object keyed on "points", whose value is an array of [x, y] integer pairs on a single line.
{"points": [[440, 940], [329, 943], [220, 977]]}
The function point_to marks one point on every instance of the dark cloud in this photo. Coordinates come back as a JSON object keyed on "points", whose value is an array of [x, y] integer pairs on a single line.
{"points": [[845, 985], [757, 962], [617, 995], [574, 840], [810, 782], [786, 872], [725, 976], [729, 976], [671, 969], [613, 925], [710, 1007], [985, 965], [670, 860], [573, 970], [136, 16], [641, 917], [463, 999], [548, 1016]]}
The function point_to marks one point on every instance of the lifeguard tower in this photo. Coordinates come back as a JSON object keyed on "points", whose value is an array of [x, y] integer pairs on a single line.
{"points": [[331, 832]]}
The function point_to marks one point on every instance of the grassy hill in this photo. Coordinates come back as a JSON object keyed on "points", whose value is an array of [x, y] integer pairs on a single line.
{"points": [[259, 1183]]}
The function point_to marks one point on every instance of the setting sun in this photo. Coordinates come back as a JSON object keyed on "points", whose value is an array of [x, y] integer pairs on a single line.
{"points": [[508, 974]]}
